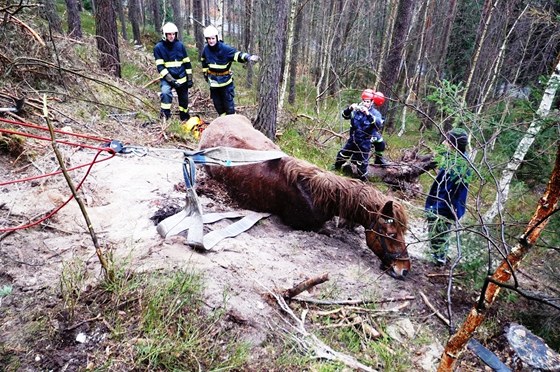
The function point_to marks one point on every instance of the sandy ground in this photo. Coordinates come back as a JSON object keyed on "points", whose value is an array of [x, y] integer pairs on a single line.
{"points": [[122, 194]]}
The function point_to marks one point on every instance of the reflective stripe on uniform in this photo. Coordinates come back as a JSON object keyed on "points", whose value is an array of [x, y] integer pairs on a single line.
{"points": [[166, 106], [215, 84], [173, 64], [159, 62], [182, 80], [183, 109], [214, 66], [163, 72]]}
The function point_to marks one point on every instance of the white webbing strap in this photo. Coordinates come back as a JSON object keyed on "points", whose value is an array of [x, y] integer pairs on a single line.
{"points": [[193, 222]]}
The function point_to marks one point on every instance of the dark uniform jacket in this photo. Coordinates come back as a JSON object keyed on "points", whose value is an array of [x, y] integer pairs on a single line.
{"points": [[172, 58], [216, 63]]}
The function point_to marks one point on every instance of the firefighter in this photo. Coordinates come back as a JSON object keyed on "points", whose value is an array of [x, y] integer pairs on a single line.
{"points": [[376, 138], [175, 69], [216, 59], [365, 121]]}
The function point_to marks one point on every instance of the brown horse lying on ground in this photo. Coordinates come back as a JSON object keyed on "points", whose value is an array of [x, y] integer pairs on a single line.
{"points": [[305, 196]]}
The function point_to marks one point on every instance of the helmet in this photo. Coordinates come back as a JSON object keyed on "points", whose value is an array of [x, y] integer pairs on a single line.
{"points": [[169, 28], [210, 31], [368, 94], [378, 98]]}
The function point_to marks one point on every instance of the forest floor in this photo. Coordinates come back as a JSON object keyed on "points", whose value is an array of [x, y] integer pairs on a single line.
{"points": [[122, 195]]}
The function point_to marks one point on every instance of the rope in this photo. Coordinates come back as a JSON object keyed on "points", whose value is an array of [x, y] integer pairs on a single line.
{"points": [[107, 147]]}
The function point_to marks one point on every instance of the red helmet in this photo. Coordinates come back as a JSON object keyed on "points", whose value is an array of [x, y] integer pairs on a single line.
{"points": [[368, 94], [378, 98]]}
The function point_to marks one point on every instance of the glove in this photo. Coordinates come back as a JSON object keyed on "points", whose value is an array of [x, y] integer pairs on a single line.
{"points": [[176, 84], [189, 84], [253, 58], [206, 76]]}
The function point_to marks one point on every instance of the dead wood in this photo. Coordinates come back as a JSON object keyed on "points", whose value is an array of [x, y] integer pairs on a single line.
{"points": [[307, 284], [547, 205], [29, 29], [353, 302], [403, 174], [432, 307], [312, 343]]}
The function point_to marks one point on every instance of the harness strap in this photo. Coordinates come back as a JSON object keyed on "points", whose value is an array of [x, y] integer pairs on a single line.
{"points": [[219, 73], [191, 217]]}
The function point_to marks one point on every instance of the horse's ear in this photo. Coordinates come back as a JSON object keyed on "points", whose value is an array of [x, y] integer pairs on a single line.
{"points": [[387, 210]]}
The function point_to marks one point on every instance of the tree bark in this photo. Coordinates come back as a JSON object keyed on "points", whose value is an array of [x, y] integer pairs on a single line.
{"points": [[107, 37], [395, 57], [133, 17], [120, 11], [156, 13], [198, 25], [547, 205], [49, 13], [177, 17], [288, 57], [294, 60], [271, 69], [248, 38], [73, 19]]}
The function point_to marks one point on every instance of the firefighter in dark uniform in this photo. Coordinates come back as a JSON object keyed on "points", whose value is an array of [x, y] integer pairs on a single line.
{"points": [[175, 69], [365, 122], [216, 59]]}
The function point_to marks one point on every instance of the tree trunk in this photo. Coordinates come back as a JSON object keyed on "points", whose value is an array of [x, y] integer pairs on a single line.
{"points": [[479, 44], [122, 19], [73, 19], [271, 70], [248, 38], [395, 57], [107, 37], [523, 146], [546, 207], [198, 25], [290, 44], [295, 59], [133, 17], [177, 17], [156, 13], [49, 13]]}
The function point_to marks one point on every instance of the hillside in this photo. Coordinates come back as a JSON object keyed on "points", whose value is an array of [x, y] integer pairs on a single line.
{"points": [[60, 312]]}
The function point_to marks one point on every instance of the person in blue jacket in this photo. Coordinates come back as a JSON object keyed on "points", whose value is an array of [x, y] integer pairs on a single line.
{"points": [[175, 69], [216, 59], [365, 120], [446, 201]]}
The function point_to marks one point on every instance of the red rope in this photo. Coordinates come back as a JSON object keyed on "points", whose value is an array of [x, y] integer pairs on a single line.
{"points": [[81, 145], [13, 122]]}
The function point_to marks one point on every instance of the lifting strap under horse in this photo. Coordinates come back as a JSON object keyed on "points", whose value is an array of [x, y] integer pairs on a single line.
{"points": [[191, 217]]}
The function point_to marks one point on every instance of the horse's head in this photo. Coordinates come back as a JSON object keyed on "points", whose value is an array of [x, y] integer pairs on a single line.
{"points": [[385, 237]]}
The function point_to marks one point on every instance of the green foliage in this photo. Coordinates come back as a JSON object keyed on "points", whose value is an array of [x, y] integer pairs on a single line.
{"points": [[72, 280], [5, 291], [177, 334]]}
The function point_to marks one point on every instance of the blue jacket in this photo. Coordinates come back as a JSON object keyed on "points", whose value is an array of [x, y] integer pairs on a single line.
{"points": [[363, 126], [216, 63], [448, 193], [172, 58]]}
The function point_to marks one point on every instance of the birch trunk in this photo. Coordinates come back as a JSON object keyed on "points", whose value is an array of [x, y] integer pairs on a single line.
{"points": [[546, 207], [288, 55], [524, 145]]}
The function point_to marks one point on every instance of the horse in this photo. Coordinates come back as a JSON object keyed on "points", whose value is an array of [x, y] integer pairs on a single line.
{"points": [[305, 196]]}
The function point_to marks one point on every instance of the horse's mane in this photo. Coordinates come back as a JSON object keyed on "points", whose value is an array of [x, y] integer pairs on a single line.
{"points": [[345, 197]]}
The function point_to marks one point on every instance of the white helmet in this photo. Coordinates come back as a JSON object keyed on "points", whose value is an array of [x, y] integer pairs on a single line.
{"points": [[169, 28], [210, 31]]}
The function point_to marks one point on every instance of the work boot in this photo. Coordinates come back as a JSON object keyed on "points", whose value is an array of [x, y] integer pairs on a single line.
{"points": [[379, 160], [165, 114], [184, 116]]}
